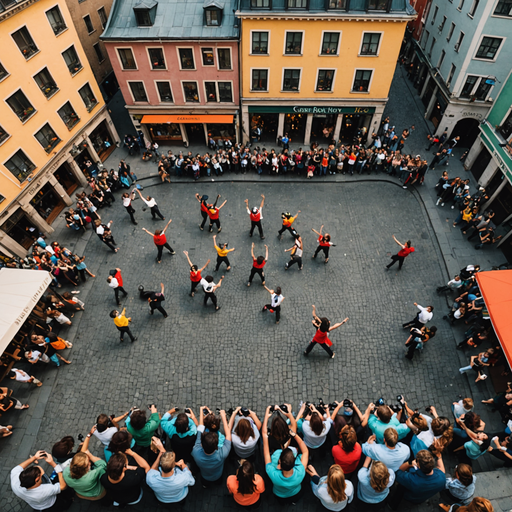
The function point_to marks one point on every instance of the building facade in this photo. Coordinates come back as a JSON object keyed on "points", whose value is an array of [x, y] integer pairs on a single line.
{"points": [[461, 63], [490, 162], [314, 69], [90, 19], [52, 118], [177, 66], [415, 27]]}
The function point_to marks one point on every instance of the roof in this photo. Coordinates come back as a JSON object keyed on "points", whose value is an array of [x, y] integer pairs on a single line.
{"points": [[175, 19]]}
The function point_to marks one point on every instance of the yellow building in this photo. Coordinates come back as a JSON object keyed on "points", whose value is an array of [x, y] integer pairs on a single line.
{"points": [[318, 69], [52, 119]]}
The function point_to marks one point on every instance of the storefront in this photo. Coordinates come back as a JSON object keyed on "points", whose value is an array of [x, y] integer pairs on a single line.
{"points": [[20, 229], [102, 141], [267, 124], [48, 203], [66, 178]]}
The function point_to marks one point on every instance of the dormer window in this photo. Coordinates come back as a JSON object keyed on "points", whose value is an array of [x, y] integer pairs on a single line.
{"points": [[213, 13], [145, 13]]}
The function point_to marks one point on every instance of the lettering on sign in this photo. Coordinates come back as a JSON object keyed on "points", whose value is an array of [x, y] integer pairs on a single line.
{"points": [[472, 114], [328, 110], [501, 163], [188, 118]]}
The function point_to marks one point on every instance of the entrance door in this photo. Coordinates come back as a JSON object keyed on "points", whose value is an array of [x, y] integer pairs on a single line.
{"points": [[295, 127], [354, 127], [467, 129], [480, 164], [268, 124], [47, 203], [66, 178], [20, 229], [322, 127], [502, 205], [195, 134]]}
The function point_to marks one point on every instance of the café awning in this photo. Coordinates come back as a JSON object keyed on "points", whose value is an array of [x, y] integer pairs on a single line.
{"points": [[190, 119], [20, 291], [496, 288]]}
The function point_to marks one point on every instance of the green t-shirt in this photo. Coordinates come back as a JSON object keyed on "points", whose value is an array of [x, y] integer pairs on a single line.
{"points": [[143, 436], [89, 485]]}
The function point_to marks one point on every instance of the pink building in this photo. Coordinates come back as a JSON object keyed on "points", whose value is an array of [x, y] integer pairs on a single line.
{"points": [[176, 62]]}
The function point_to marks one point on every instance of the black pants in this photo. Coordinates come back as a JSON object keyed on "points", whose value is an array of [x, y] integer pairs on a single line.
{"points": [[205, 217], [295, 259], [276, 309], [155, 211], [116, 293], [396, 258], [284, 228], [254, 224], [411, 349], [216, 222], [131, 211], [63, 502], [126, 330], [414, 323], [310, 347], [221, 259], [160, 249], [258, 271], [158, 306], [107, 242], [324, 248], [210, 295], [82, 274], [193, 286]]}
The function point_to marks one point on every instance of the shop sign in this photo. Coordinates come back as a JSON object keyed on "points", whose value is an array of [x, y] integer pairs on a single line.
{"points": [[476, 115], [311, 110], [501, 164]]}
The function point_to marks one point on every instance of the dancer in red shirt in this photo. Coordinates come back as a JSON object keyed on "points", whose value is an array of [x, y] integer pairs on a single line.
{"points": [[213, 213], [195, 274], [257, 266], [324, 243], [405, 250], [323, 326], [204, 208], [160, 241], [256, 217]]}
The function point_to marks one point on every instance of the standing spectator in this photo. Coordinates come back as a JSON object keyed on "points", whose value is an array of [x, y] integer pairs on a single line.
{"points": [[256, 216], [151, 204], [315, 425], [105, 429], [374, 484], [160, 241], [246, 486], [392, 453], [22, 376], [461, 488], [155, 299], [405, 250], [333, 491], [422, 318], [142, 429], [116, 283], [122, 324]]}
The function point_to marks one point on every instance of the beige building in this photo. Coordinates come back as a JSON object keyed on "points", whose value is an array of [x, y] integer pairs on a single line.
{"points": [[90, 18]]}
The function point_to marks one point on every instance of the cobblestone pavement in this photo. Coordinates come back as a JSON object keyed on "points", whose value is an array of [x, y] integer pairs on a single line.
{"points": [[238, 356]]}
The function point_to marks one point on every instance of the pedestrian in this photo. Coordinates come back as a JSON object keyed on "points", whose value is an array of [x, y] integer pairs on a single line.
{"points": [[288, 220], [257, 266], [213, 213], [105, 234], [155, 299], [256, 216], [405, 250], [21, 376], [151, 204], [160, 241], [204, 208], [115, 281], [422, 318], [82, 268], [127, 203], [323, 327], [195, 274], [222, 254], [324, 243], [276, 297], [122, 324], [209, 288], [296, 253]]}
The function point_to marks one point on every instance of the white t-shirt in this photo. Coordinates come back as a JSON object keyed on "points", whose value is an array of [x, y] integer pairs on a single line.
{"points": [[40, 498], [458, 409], [114, 283], [246, 449], [100, 230], [38, 355], [62, 319], [126, 201], [321, 492], [310, 438], [428, 436], [150, 203], [21, 376], [207, 287], [105, 436], [276, 300]]}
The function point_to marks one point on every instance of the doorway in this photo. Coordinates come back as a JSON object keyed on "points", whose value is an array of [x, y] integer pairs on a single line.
{"points": [[322, 127], [295, 127], [480, 164], [47, 203], [195, 133], [268, 125], [468, 130], [502, 205], [20, 229], [66, 178]]}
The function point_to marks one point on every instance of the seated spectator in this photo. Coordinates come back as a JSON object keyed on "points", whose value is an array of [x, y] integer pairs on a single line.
{"points": [[245, 433], [476, 505], [375, 480], [459, 489], [382, 419], [182, 432], [392, 453], [333, 491], [452, 285], [347, 453], [461, 407], [473, 422], [21, 376], [420, 480], [315, 426], [502, 448], [427, 431], [30, 483], [284, 468], [246, 486], [7, 401], [207, 453], [143, 429]]}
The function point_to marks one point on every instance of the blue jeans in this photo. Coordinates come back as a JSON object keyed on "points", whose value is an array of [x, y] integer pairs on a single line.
{"points": [[324, 170]]}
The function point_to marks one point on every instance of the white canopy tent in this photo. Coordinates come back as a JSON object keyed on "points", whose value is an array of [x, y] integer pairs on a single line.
{"points": [[20, 290]]}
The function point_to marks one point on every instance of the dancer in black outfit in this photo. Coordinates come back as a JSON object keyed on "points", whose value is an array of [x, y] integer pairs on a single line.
{"points": [[155, 300], [324, 243]]}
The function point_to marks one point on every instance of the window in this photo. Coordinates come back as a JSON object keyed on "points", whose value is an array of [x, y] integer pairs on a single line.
{"points": [[337, 4], [450, 33], [489, 48], [88, 97], [325, 80], [103, 17], [482, 90], [259, 43], [88, 24], [156, 57], [451, 75], [3, 135], [72, 61], [20, 165], [291, 80], [504, 8], [432, 46], [99, 52], [207, 54], [370, 44], [459, 41], [468, 86], [47, 138], [474, 7], [224, 58], [211, 91], [260, 4], [425, 39], [68, 115], [225, 92], [164, 91], [145, 13], [25, 42], [5, 4], [293, 44], [186, 58], [21, 106], [3, 73], [506, 128], [434, 16], [259, 80], [297, 4], [441, 59], [378, 5], [442, 24], [461, 5], [213, 17], [138, 91], [191, 92], [330, 43], [362, 80], [56, 20], [46, 83], [126, 58]]}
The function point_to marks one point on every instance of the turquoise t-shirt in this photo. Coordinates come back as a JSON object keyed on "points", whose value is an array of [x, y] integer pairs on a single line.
{"points": [[378, 427], [168, 426], [473, 450], [285, 487]]}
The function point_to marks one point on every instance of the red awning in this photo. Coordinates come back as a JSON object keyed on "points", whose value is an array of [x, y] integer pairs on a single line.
{"points": [[496, 288]]}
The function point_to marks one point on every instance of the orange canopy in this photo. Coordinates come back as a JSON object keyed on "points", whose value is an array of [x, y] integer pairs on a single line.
{"points": [[164, 118], [496, 288]]}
